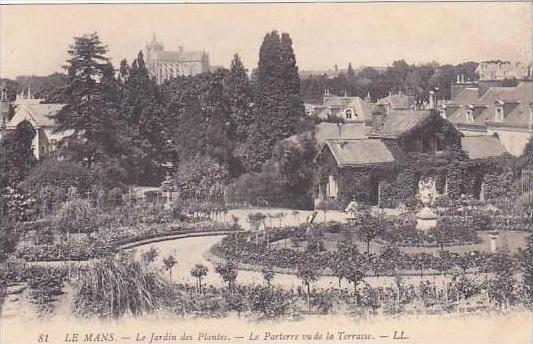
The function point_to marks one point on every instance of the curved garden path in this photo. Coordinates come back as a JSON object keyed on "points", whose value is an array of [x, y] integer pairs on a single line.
{"points": [[191, 251]]}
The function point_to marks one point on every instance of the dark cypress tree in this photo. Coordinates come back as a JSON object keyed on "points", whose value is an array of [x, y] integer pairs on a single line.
{"points": [[528, 264], [238, 92], [16, 155], [278, 106]]}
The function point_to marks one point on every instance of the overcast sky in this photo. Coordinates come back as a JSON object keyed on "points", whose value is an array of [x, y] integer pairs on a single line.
{"points": [[34, 38]]}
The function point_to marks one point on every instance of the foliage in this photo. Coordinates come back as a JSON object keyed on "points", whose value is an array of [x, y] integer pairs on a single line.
{"points": [[228, 272], [277, 104], [16, 155], [114, 288], [50, 181], [400, 76], [202, 178], [76, 215]]}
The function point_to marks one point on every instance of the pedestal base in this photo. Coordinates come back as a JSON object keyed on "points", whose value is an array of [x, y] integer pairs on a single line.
{"points": [[426, 219]]}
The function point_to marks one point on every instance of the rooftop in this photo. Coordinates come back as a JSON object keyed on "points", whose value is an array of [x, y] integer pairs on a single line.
{"points": [[359, 152]]}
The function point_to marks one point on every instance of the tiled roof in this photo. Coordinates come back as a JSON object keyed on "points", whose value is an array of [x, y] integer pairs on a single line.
{"points": [[479, 147], [359, 152], [521, 96], [335, 105], [397, 101], [330, 131], [400, 122], [43, 113]]}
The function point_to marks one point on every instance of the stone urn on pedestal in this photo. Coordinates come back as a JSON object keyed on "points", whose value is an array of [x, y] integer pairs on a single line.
{"points": [[426, 218], [493, 237]]}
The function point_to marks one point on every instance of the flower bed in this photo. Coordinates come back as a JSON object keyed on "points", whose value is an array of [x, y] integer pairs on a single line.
{"points": [[76, 250]]}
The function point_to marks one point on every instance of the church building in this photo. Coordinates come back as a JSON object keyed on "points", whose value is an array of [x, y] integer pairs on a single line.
{"points": [[164, 65]]}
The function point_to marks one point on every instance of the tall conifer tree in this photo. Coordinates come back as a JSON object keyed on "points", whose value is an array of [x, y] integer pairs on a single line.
{"points": [[278, 106]]}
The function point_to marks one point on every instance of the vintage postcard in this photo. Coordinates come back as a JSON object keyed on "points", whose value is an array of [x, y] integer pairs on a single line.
{"points": [[306, 172]]}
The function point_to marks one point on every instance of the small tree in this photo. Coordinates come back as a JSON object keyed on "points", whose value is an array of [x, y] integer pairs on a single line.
{"points": [[149, 256], [268, 274], [169, 263], [199, 271], [528, 267], [368, 226], [355, 275], [308, 273], [228, 272]]}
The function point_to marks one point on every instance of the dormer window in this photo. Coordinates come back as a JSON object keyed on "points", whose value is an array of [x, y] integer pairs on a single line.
{"points": [[470, 116], [499, 114], [349, 114]]}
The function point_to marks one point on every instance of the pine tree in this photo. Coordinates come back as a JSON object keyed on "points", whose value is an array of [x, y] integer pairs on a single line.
{"points": [[91, 113]]}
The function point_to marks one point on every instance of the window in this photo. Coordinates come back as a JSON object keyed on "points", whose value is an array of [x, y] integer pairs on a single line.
{"points": [[348, 113], [499, 114], [470, 116], [333, 187]]}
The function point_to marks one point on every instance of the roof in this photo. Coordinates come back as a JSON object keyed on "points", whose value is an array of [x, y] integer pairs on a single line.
{"points": [[41, 114], [335, 105], [330, 131], [480, 147], [518, 98], [397, 101], [177, 56], [359, 152], [400, 122]]}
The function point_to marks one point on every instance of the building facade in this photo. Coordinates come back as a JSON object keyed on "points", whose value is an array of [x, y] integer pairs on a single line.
{"points": [[500, 70], [348, 109], [164, 65], [487, 108], [379, 168]]}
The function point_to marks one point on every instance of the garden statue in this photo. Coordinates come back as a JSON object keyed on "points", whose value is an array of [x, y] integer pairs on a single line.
{"points": [[351, 208], [426, 219], [427, 191], [311, 218]]}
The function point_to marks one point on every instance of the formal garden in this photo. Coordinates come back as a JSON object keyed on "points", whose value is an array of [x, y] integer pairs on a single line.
{"points": [[78, 238]]}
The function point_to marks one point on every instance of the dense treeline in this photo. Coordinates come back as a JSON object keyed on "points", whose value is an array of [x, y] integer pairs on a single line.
{"points": [[400, 76], [209, 130]]}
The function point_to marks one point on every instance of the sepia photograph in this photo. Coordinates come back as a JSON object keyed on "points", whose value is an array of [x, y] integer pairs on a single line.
{"points": [[290, 172]]}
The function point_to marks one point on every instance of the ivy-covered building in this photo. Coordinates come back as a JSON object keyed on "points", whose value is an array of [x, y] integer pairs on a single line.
{"points": [[401, 148]]}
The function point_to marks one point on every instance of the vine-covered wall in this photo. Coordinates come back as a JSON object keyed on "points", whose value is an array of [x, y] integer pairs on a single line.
{"points": [[398, 181]]}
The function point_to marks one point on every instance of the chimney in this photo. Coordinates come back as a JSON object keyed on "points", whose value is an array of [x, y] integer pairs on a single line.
{"points": [[432, 100], [180, 49], [458, 80], [378, 116]]}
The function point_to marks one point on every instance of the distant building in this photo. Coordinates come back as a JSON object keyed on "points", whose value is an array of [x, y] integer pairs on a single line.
{"points": [[500, 70], [349, 109], [39, 116], [398, 101], [164, 65], [487, 108]]}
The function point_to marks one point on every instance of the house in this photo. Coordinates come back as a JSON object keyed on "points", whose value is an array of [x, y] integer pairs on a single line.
{"points": [[347, 109], [382, 164], [41, 118], [500, 70], [397, 101], [487, 108]]}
